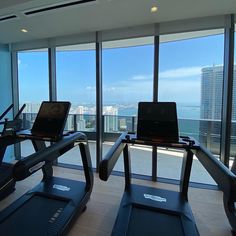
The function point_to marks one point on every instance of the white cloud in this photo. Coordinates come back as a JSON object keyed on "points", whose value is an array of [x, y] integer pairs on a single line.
{"points": [[181, 72], [90, 88], [109, 89], [141, 77]]}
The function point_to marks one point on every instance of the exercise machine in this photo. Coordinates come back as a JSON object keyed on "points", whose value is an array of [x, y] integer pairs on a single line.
{"points": [[52, 206], [152, 211], [7, 184]]}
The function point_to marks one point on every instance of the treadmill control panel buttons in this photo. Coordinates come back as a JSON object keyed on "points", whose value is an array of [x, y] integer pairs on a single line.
{"points": [[154, 198], [61, 187]]}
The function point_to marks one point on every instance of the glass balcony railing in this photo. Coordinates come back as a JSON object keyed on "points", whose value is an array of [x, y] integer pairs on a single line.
{"points": [[207, 132]]}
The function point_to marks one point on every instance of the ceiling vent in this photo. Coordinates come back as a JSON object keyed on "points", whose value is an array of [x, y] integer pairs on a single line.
{"points": [[6, 18], [55, 7]]}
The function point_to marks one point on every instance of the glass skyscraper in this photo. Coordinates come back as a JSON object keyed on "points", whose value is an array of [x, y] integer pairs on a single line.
{"points": [[211, 93], [211, 106]]}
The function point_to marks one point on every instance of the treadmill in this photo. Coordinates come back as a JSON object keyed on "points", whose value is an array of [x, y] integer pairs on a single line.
{"points": [[7, 184], [153, 211], [53, 205], [146, 210]]}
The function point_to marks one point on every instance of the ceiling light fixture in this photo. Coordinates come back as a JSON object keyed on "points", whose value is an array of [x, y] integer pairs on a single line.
{"points": [[24, 30], [154, 9]]}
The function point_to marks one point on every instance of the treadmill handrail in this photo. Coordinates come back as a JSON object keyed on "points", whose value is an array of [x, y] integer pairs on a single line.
{"points": [[6, 111], [20, 111], [107, 164], [30, 164], [225, 179]]}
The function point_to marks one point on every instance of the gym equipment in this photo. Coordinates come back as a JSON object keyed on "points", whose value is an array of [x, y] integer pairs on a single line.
{"points": [[7, 184], [52, 206], [151, 211]]}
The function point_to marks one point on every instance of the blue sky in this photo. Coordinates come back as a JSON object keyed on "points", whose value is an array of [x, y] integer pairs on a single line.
{"points": [[127, 72]]}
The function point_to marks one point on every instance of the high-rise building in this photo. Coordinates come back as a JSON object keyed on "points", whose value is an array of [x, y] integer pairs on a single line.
{"points": [[211, 93], [31, 107], [110, 119], [211, 106]]}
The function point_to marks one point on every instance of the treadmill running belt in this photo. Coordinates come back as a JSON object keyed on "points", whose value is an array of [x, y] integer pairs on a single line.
{"points": [[33, 217], [153, 223]]}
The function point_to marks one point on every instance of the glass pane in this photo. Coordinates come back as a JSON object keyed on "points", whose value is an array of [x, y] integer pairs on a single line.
{"points": [[33, 87], [76, 82], [127, 79], [6, 95], [191, 74], [233, 124]]}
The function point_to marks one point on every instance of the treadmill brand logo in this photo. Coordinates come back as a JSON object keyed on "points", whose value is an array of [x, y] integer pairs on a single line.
{"points": [[37, 166], [61, 187], [154, 198]]}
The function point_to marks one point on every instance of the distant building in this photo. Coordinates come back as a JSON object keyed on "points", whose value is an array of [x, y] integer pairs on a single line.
{"points": [[30, 111], [211, 106], [211, 93], [81, 125], [69, 123], [80, 110], [31, 107], [110, 119]]}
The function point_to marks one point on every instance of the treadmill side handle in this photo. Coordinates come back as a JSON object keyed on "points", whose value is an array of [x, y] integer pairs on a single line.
{"points": [[107, 164]]}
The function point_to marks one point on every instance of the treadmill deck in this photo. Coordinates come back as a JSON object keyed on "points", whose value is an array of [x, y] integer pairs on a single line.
{"points": [[150, 211], [44, 210]]}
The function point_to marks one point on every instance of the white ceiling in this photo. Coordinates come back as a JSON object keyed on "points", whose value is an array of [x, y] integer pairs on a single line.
{"points": [[98, 15]]}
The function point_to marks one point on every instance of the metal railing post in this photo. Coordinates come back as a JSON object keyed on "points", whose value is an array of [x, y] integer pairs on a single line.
{"points": [[75, 122], [133, 125]]}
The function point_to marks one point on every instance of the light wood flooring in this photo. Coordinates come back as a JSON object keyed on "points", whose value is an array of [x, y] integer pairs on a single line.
{"points": [[102, 208]]}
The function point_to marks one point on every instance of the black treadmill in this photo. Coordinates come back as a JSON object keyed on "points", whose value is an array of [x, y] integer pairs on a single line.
{"points": [[146, 210], [7, 183], [152, 211], [52, 206]]}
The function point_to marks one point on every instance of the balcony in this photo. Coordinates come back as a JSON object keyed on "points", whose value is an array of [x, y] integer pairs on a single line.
{"points": [[169, 160]]}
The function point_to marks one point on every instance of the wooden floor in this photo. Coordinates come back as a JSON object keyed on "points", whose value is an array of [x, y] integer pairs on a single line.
{"points": [[102, 208]]}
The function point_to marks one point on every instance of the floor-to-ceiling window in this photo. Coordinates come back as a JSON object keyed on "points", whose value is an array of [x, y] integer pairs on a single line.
{"points": [[191, 74], [76, 83], [233, 124], [127, 73], [33, 87], [5, 93]]}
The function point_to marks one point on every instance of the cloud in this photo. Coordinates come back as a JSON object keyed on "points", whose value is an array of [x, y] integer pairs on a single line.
{"points": [[141, 77], [90, 88], [174, 84], [110, 89], [181, 72]]}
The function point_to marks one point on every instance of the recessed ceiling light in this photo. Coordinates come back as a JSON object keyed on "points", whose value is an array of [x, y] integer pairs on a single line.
{"points": [[154, 9], [24, 30]]}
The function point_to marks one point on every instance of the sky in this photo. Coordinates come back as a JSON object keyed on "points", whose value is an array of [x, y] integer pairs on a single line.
{"points": [[127, 72]]}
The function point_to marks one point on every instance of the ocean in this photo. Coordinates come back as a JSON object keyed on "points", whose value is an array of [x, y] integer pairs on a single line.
{"points": [[183, 111]]}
